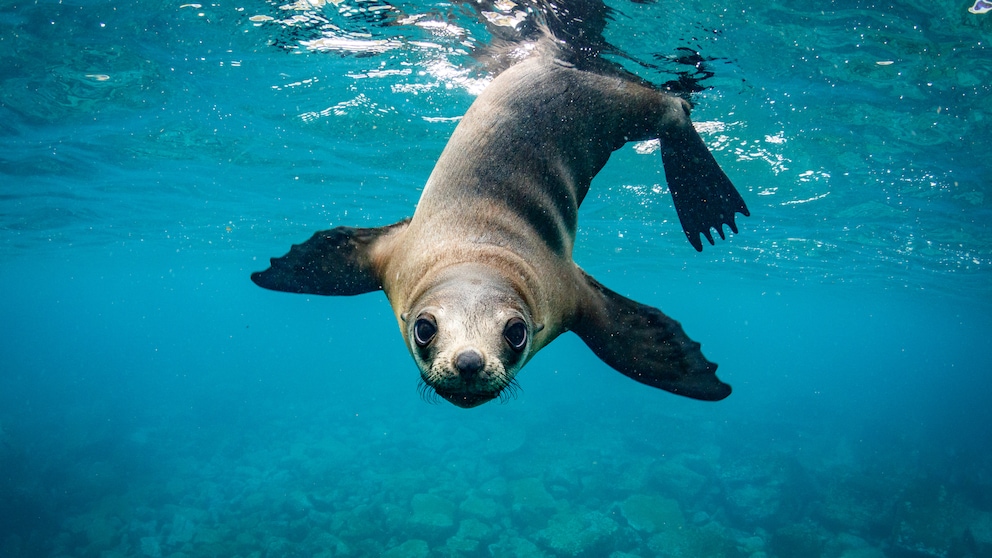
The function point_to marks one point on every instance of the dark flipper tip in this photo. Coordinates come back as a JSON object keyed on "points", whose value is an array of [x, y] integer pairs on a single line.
{"points": [[704, 197], [331, 262], [701, 217], [644, 344]]}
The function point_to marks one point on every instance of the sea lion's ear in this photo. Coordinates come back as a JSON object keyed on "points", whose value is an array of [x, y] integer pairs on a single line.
{"points": [[333, 262], [646, 345]]}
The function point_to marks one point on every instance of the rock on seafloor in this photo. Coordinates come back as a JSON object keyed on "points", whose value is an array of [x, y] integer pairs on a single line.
{"points": [[413, 548]]}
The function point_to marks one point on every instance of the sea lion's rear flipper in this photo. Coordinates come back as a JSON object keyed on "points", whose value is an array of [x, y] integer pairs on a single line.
{"points": [[332, 262], [703, 195], [646, 345]]}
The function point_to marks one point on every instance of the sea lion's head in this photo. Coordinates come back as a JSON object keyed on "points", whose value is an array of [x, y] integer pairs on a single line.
{"points": [[469, 332]]}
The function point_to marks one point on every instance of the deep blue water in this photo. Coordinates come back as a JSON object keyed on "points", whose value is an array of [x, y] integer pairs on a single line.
{"points": [[154, 402]]}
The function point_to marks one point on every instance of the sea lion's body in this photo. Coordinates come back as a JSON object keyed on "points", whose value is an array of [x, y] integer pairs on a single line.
{"points": [[507, 188], [482, 277]]}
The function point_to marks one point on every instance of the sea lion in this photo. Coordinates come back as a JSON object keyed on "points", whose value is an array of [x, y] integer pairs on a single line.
{"points": [[482, 277]]}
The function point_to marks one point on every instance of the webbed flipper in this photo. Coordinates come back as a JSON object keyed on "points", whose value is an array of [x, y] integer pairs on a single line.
{"points": [[644, 344], [331, 262], [703, 195]]}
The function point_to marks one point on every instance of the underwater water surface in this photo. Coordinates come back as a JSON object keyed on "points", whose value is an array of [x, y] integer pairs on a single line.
{"points": [[154, 402]]}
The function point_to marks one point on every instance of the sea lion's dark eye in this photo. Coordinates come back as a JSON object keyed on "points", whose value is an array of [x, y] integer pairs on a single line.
{"points": [[424, 330], [515, 334]]}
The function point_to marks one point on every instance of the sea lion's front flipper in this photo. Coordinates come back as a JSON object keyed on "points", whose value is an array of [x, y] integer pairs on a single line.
{"points": [[703, 195], [646, 345], [333, 262]]}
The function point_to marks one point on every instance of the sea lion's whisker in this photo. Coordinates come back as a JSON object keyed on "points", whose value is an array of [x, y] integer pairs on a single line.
{"points": [[509, 391], [427, 393]]}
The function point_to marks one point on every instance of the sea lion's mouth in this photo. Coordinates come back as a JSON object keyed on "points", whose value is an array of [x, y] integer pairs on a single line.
{"points": [[467, 395], [466, 400]]}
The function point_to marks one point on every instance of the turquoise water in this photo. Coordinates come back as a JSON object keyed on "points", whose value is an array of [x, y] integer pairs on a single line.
{"points": [[154, 402]]}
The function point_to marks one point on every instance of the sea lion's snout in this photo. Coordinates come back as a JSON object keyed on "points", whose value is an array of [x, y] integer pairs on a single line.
{"points": [[467, 378], [468, 363], [465, 381]]}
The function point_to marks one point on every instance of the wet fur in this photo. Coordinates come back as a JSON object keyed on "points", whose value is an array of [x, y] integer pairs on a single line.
{"points": [[492, 237]]}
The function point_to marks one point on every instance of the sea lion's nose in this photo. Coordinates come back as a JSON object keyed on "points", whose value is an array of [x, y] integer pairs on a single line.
{"points": [[468, 363]]}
